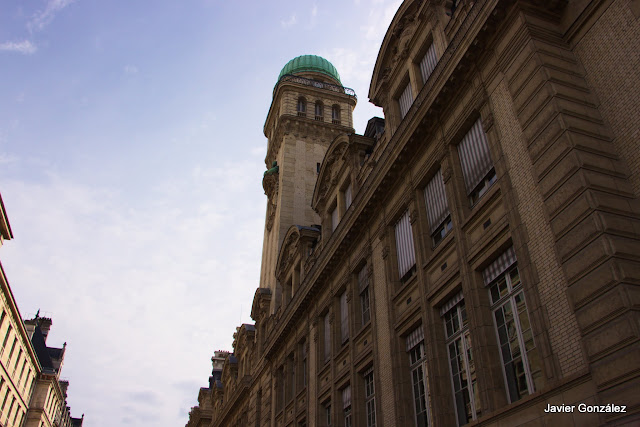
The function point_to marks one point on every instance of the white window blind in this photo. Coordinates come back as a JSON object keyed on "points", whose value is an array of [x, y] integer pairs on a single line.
{"points": [[363, 278], [436, 200], [334, 219], [428, 63], [415, 337], [497, 267], [346, 397], [474, 156], [344, 317], [405, 101], [348, 198], [327, 338], [404, 245]]}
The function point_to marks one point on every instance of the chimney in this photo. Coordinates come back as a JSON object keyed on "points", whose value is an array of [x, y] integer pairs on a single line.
{"points": [[45, 325]]}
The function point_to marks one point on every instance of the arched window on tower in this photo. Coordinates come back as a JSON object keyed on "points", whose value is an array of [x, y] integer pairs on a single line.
{"points": [[335, 114], [302, 107], [319, 111]]}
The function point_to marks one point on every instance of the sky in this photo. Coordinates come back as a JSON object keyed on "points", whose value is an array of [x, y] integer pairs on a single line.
{"points": [[131, 161]]}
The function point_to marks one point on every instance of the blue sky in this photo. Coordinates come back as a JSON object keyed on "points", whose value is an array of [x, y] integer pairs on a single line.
{"points": [[131, 158]]}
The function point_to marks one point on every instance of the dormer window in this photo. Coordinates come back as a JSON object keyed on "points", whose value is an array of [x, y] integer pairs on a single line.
{"points": [[302, 107], [319, 111], [335, 114]]}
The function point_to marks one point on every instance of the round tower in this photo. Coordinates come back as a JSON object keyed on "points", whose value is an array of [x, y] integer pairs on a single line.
{"points": [[310, 107]]}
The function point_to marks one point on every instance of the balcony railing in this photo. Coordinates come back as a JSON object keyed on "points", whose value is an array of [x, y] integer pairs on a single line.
{"points": [[315, 83]]}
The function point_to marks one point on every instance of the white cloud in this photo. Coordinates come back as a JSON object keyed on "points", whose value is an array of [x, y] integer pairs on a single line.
{"points": [[42, 18], [111, 271], [290, 22], [25, 47]]}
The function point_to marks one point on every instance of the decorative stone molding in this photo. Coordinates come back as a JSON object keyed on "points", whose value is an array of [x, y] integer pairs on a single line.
{"points": [[385, 252]]}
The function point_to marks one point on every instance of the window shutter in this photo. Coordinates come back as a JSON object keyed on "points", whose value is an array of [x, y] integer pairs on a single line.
{"points": [[497, 267], [428, 63], [405, 101], [334, 219], [474, 156], [404, 245], [344, 317], [436, 200]]}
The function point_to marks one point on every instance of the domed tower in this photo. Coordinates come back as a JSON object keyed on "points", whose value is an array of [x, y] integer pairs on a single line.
{"points": [[310, 107]]}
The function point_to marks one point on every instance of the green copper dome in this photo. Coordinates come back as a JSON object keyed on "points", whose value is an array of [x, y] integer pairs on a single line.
{"points": [[310, 63]]}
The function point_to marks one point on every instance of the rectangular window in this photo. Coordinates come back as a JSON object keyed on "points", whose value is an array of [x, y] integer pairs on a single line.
{"points": [[13, 402], [13, 347], [405, 101], [346, 405], [404, 248], [347, 197], [521, 363], [463, 370], [369, 398], [363, 286], [327, 413], [437, 208], [477, 166], [327, 338], [415, 348], [6, 338], [15, 365], [334, 219], [428, 63], [344, 318]]}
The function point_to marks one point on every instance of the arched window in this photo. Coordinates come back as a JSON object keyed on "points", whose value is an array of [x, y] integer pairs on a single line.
{"points": [[319, 110], [302, 107], [335, 114]]}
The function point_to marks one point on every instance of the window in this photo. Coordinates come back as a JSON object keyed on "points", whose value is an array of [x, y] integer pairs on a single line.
{"points": [[521, 363], [369, 398], [438, 213], [334, 218], [303, 351], [15, 365], [6, 338], [428, 63], [291, 384], [327, 338], [13, 347], [327, 413], [346, 405], [348, 198], [415, 348], [404, 248], [13, 402], [405, 100], [319, 111], [280, 380], [363, 285], [344, 318], [24, 365], [335, 115], [463, 370], [477, 166], [302, 107]]}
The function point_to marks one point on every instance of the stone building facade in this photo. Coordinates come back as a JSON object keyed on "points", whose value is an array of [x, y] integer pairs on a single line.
{"points": [[31, 392], [474, 257]]}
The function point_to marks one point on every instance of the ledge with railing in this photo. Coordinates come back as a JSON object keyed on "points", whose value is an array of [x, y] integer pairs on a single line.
{"points": [[315, 83]]}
